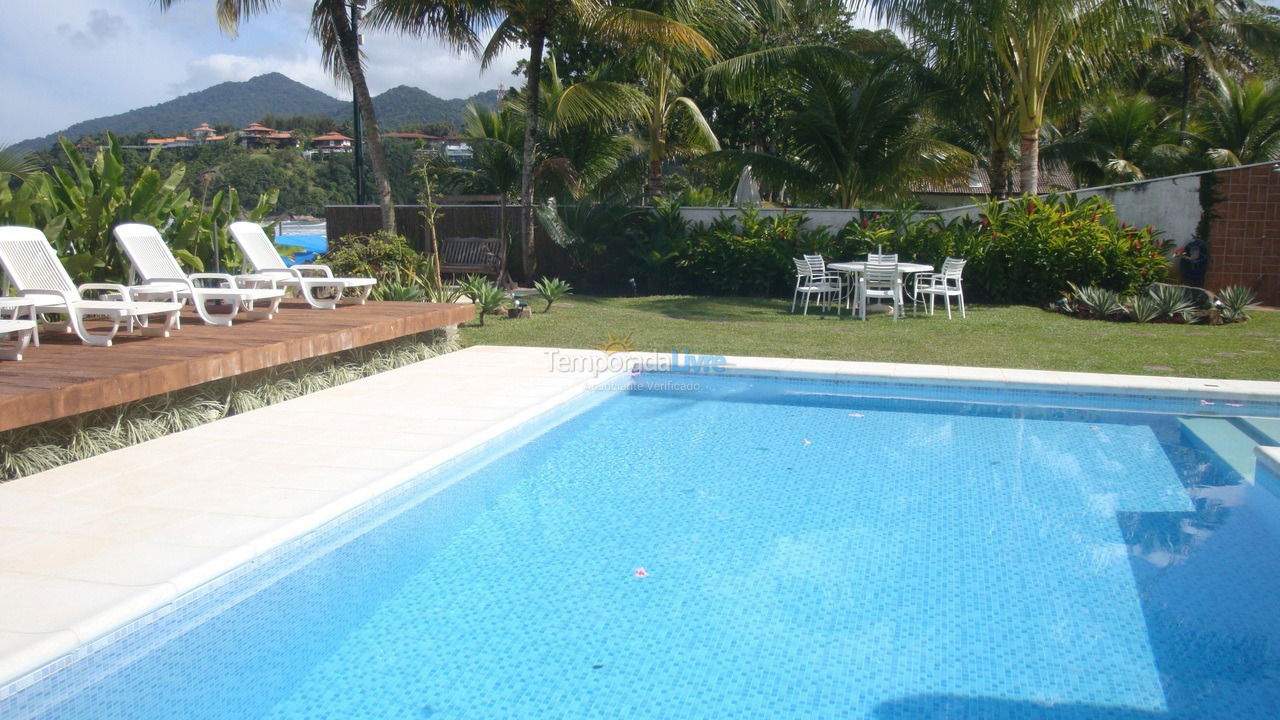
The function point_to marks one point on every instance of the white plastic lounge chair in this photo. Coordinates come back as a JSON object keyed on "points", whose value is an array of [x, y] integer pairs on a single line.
{"points": [[316, 283], [23, 330], [880, 281], [812, 279], [159, 273], [947, 283], [31, 264]]}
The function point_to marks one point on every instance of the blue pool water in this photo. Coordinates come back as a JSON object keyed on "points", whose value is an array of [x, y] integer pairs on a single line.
{"points": [[810, 553]]}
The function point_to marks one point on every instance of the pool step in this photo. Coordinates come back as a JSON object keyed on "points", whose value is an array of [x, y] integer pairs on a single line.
{"points": [[1265, 430], [1224, 439]]}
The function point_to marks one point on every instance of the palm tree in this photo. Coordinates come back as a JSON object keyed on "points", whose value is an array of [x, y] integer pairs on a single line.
{"points": [[1122, 138], [857, 137], [978, 109], [1240, 124], [495, 137], [1202, 37], [534, 23], [581, 140], [334, 25], [1046, 48], [14, 164]]}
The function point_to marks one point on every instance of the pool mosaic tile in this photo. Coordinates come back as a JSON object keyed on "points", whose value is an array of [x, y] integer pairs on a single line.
{"points": [[837, 557]]}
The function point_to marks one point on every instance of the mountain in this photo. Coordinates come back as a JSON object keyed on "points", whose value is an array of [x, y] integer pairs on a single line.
{"points": [[240, 103], [402, 105]]}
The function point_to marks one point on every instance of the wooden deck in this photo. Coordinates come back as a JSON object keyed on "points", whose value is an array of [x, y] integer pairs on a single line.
{"points": [[62, 377]]}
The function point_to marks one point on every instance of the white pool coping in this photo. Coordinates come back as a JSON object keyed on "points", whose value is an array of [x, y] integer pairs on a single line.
{"points": [[89, 547]]}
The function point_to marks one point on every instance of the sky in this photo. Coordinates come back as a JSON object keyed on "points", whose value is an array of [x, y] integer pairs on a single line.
{"points": [[72, 60]]}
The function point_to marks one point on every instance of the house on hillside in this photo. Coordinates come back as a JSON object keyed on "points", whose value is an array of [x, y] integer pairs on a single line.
{"points": [[331, 142], [171, 142], [453, 148], [259, 135], [199, 136]]}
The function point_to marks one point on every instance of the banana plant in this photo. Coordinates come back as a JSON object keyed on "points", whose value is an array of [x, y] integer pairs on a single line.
{"points": [[77, 206]]}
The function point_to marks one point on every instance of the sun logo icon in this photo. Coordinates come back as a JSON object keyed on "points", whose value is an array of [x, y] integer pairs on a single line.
{"points": [[616, 345]]}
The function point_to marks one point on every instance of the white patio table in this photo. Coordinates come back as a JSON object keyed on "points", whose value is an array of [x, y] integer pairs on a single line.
{"points": [[17, 306], [852, 269]]}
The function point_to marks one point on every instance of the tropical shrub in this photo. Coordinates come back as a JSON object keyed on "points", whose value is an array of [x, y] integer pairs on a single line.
{"points": [[1031, 248], [1026, 250], [749, 254], [76, 206], [402, 272]]}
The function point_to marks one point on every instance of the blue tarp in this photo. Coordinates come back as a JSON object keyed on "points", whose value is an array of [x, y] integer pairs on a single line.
{"points": [[312, 245]]}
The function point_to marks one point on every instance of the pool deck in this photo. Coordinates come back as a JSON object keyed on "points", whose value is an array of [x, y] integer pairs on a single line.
{"points": [[64, 377], [90, 547]]}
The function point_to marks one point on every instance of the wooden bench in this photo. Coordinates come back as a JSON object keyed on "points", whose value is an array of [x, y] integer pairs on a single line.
{"points": [[472, 255]]}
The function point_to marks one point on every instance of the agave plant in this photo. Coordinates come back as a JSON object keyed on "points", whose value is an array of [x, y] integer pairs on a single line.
{"points": [[1171, 301], [551, 290], [443, 293], [1144, 308], [1096, 301], [1235, 301], [470, 287], [399, 292], [486, 296]]}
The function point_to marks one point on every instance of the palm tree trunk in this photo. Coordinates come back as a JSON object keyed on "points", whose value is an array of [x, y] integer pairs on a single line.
{"points": [[534, 77], [654, 182], [999, 172], [348, 45], [1029, 163], [1188, 92]]}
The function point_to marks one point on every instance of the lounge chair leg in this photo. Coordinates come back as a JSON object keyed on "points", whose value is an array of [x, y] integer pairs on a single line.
{"points": [[88, 338], [209, 318], [272, 310], [358, 299], [163, 330], [961, 296], [308, 292], [947, 299]]}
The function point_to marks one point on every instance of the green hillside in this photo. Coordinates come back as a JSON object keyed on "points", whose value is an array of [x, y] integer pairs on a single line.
{"points": [[239, 103]]}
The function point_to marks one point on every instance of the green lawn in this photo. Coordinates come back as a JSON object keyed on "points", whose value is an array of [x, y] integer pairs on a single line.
{"points": [[1015, 337]]}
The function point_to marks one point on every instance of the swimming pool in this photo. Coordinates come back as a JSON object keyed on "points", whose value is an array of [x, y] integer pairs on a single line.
{"points": [[755, 547]]}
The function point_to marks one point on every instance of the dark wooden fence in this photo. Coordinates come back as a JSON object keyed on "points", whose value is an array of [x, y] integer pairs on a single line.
{"points": [[453, 220]]}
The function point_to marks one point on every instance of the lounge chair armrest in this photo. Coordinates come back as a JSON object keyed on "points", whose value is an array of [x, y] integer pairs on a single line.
{"points": [[67, 296], [222, 279], [113, 287], [301, 270], [148, 289], [255, 279]]}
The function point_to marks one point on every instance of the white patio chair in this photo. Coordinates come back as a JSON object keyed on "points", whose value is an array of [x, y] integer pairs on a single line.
{"points": [[316, 283], [947, 284], [882, 258], [158, 273], [880, 281], [33, 267], [813, 280]]}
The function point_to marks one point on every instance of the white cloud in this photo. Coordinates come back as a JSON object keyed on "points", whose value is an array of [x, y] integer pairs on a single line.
{"points": [[71, 60]]}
